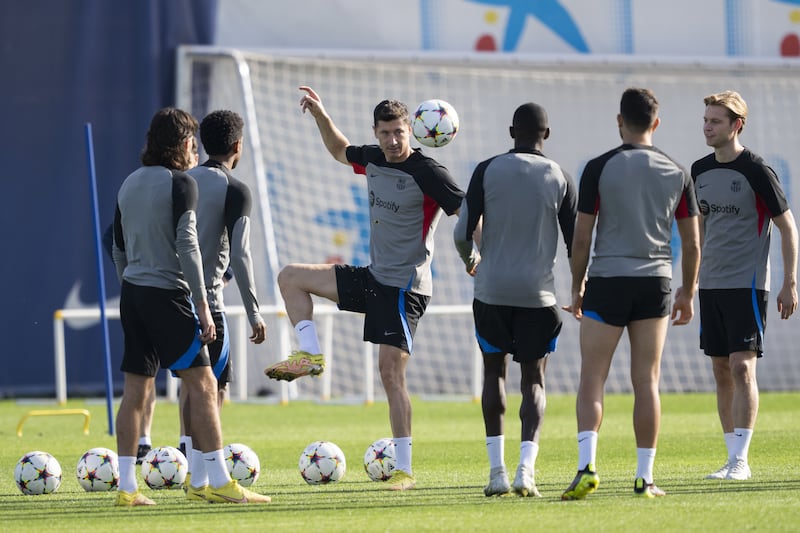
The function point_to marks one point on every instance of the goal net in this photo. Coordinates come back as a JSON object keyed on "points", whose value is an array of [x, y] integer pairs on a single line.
{"points": [[309, 208]]}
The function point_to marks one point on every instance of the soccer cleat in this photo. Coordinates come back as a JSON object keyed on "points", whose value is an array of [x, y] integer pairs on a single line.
{"points": [[739, 470], [585, 483], [143, 450], [132, 499], [722, 473], [400, 480], [297, 365], [232, 492], [196, 494], [523, 483], [646, 490], [498, 482]]}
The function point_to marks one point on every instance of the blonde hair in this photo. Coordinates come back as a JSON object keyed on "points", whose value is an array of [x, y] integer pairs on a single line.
{"points": [[732, 102]]}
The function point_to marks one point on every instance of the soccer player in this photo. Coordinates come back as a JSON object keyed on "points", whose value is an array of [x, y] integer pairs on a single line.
{"points": [[164, 306], [223, 232], [518, 200], [632, 193], [740, 199], [408, 192]]}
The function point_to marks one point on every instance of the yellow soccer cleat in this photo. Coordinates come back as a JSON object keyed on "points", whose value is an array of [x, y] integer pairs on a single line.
{"points": [[585, 483], [232, 492], [400, 481], [297, 365], [132, 499]]}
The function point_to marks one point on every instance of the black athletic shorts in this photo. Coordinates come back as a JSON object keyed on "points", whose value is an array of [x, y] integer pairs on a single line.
{"points": [[527, 333], [161, 330], [732, 320], [390, 313], [618, 301]]}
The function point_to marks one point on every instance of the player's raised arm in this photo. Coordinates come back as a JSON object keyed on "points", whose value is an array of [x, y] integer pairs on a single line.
{"points": [[334, 140]]}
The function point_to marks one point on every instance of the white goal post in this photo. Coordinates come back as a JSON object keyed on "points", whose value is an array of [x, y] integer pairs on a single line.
{"points": [[309, 208]]}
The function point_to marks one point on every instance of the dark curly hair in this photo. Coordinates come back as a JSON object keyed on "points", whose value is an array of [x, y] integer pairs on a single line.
{"points": [[168, 131], [219, 131]]}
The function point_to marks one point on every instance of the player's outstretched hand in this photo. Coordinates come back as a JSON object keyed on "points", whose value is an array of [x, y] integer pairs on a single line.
{"points": [[311, 102]]}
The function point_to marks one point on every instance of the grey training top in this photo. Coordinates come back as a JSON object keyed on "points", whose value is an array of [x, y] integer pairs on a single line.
{"points": [[223, 228], [406, 201], [636, 191], [523, 198], [738, 201], [155, 233]]}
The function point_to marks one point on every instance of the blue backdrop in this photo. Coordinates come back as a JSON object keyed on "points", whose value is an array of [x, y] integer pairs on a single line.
{"points": [[66, 63]]}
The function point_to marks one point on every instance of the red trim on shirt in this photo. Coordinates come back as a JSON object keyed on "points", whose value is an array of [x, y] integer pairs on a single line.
{"points": [[359, 169], [429, 208]]}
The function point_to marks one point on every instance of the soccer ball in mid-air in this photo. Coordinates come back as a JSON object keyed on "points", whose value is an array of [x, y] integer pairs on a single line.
{"points": [[435, 123], [243, 464], [98, 470], [164, 467], [379, 460], [37, 473], [322, 462]]}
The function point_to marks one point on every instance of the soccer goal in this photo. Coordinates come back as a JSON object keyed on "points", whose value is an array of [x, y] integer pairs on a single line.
{"points": [[309, 208]]}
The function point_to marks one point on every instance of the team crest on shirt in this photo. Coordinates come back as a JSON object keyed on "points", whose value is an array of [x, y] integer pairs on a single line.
{"points": [[401, 184], [736, 186]]}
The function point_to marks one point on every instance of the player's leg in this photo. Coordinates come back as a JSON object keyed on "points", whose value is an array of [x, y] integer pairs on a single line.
{"points": [[745, 410], [531, 414], [493, 332], [297, 283], [598, 340], [647, 344], [392, 363], [535, 336], [135, 396], [493, 406]]}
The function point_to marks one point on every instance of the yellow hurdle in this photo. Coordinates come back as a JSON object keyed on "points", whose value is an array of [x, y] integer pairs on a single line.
{"points": [[56, 412]]}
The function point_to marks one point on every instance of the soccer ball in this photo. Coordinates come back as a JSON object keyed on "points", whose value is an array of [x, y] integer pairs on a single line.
{"points": [[243, 464], [98, 470], [435, 123], [37, 473], [379, 460], [322, 462], [164, 467]]}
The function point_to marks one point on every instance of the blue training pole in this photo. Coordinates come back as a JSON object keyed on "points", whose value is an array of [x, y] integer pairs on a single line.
{"points": [[101, 281]]}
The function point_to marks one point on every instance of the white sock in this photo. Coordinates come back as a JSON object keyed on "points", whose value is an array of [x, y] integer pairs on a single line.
{"points": [[528, 452], [587, 449], [495, 447], [402, 450], [127, 474], [215, 467], [645, 458], [741, 441], [730, 445], [197, 466], [144, 440], [307, 338], [186, 440]]}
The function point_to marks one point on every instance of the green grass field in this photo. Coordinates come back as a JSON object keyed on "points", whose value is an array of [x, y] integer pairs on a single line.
{"points": [[450, 466]]}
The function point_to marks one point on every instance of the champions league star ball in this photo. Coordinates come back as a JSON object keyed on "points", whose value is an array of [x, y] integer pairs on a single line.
{"points": [[435, 123], [243, 464], [98, 470], [321, 463], [379, 460], [164, 468], [37, 473]]}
